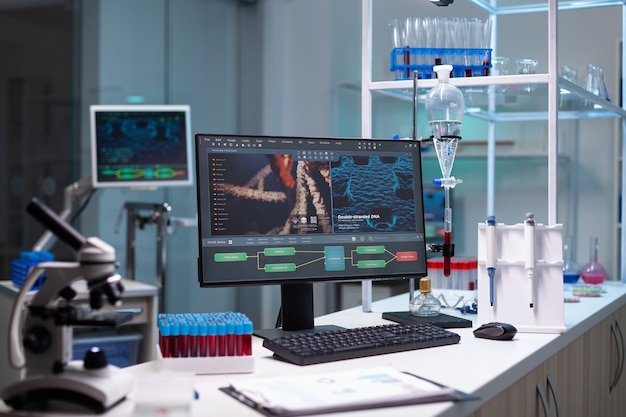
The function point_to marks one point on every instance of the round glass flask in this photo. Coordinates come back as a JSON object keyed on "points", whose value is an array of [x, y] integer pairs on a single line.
{"points": [[593, 272]]}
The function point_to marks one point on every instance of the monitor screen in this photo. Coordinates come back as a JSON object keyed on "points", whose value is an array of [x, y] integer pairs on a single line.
{"points": [[294, 210], [141, 146]]}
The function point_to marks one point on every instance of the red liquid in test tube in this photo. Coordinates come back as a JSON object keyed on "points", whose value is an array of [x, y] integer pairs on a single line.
{"points": [[174, 338], [247, 338], [165, 338], [183, 338], [447, 240], [230, 336], [193, 338], [238, 337], [221, 337], [203, 337], [212, 336]]}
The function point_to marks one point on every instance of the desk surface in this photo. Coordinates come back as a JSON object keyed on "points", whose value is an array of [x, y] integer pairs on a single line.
{"points": [[477, 366]]}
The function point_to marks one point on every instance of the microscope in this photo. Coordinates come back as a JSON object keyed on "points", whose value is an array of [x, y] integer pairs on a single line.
{"points": [[41, 342]]}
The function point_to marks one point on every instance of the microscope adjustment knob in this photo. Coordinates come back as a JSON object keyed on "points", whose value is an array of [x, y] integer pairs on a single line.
{"points": [[95, 358], [37, 339], [68, 293]]}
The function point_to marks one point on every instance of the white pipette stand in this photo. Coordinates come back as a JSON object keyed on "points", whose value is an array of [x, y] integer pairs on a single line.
{"points": [[512, 285]]}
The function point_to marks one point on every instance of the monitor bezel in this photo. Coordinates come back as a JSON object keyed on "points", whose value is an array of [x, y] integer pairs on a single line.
{"points": [[147, 108], [216, 282]]}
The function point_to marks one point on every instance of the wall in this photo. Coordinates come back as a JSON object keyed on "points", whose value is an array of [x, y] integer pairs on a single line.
{"points": [[165, 52], [281, 67]]}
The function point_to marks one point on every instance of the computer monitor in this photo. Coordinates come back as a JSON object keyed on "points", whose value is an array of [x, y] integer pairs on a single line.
{"points": [[298, 210], [141, 146]]}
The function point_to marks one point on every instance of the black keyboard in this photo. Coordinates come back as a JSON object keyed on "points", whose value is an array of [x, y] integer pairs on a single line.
{"points": [[337, 345]]}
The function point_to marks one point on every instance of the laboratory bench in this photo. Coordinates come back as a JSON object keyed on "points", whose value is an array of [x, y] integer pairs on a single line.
{"points": [[575, 373]]}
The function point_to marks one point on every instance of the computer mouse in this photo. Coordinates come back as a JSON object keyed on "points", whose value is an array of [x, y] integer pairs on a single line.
{"points": [[496, 331]]}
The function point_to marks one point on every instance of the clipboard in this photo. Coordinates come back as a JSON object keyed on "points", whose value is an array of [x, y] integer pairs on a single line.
{"points": [[358, 389]]}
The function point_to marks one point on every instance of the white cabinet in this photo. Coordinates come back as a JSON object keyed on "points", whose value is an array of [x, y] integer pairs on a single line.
{"points": [[549, 84], [139, 298], [585, 378]]}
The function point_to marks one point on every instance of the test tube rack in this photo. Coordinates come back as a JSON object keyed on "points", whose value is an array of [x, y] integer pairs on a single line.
{"points": [[512, 287], [205, 343]]}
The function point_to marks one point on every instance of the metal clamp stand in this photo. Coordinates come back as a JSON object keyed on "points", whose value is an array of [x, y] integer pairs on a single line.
{"points": [[159, 214]]}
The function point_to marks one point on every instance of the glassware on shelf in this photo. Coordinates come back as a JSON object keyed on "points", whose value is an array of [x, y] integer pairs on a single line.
{"points": [[571, 270], [500, 66], [527, 66], [425, 304], [595, 83], [567, 100], [593, 272]]}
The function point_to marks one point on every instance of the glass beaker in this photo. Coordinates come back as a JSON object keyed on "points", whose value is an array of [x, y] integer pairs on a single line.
{"points": [[595, 83], [527, 67], [500, 65], [571, 270], [567, 100], [593, 272]]}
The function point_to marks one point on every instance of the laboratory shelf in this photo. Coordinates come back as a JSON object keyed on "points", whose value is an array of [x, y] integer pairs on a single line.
{"points": [[403, 89], [461, 82], [513, 155], [502, 7], [549, 103], [603, 109]]}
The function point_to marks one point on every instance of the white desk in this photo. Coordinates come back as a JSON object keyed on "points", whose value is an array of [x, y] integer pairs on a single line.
{"points": [[482, 367]]}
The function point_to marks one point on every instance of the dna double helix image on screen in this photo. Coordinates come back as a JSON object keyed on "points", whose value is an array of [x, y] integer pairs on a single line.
{"points": [[275, 194]]}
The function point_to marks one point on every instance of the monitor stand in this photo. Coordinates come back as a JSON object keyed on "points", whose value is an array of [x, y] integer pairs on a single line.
{"points": [[296, 312]]}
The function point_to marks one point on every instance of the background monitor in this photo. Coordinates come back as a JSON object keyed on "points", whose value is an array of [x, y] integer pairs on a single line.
{"points": [[295, 210], [141, 146], [434, 212]]}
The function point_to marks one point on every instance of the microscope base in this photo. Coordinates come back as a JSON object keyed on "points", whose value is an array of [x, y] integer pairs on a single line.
{"points": [[75, 390]]}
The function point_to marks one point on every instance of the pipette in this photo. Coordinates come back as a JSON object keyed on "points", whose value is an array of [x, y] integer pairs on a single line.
{"points": [[529, 264], [491, 254]]}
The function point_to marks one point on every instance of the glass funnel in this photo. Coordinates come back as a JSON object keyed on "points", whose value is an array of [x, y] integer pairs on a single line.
{"points": [[444, 108]]}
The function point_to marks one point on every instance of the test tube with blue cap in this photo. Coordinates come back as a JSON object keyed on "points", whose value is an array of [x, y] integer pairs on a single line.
{"points": [[184, 337], [174, 337]]}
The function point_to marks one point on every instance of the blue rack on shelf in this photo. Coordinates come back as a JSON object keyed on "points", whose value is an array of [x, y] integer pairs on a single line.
{"points": [[465, 62]]}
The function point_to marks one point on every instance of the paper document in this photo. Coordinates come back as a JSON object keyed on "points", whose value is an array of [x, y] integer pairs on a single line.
{"points": [[335, 391]]}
